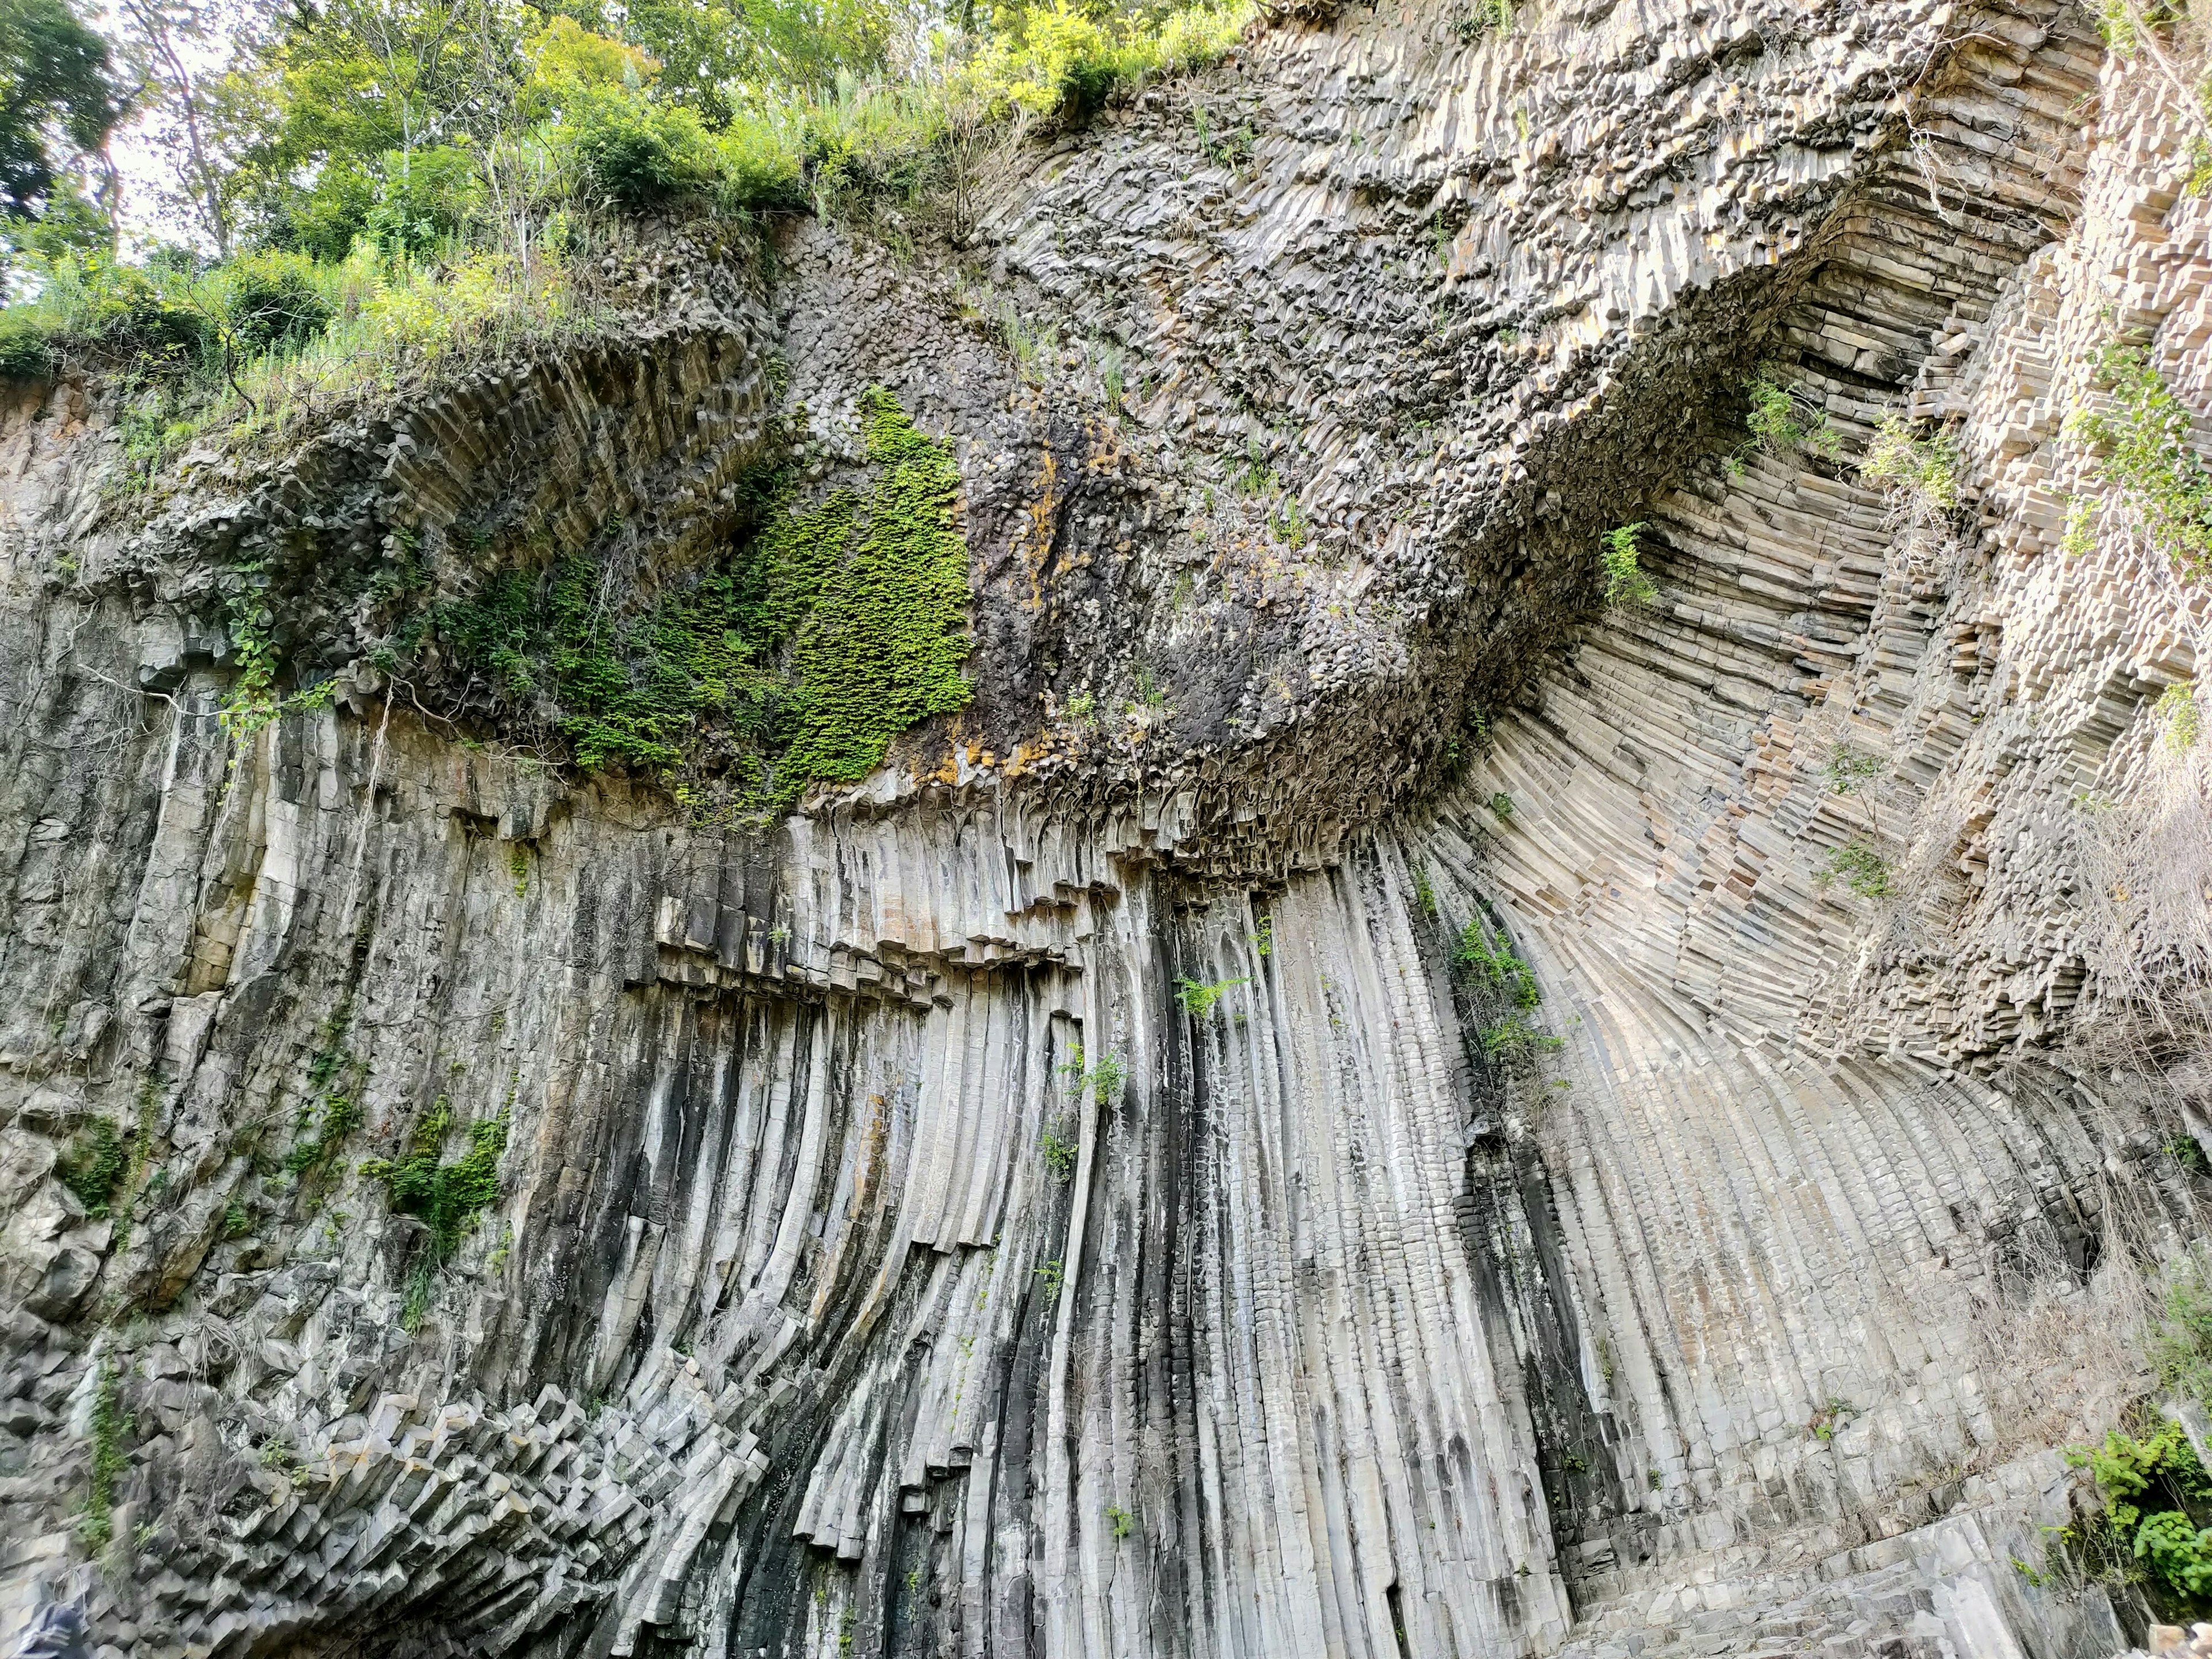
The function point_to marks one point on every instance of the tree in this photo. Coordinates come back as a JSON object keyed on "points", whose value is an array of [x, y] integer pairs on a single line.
{"points": [[58, 99], [174, 45]]}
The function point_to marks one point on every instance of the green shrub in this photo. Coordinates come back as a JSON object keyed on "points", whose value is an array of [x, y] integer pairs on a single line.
{"points": [[1625, 582], [2155, 1491], [1779, 421], [1197, 998], [1101, 1081], [1919, 472], [1497, 966], [2177, 710], [2145, 453], [448, 1196], [1515, 1041], [1779, 424], [274, 302], [761, 163], [26, 353], [1060, 1152], [425, 199], [640, 157], [2180, 1348]]}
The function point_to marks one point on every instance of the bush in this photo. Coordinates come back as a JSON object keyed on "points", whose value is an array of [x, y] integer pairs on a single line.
{"points": [[760, 164], [640, 156], [274, 302], [1625, 582], [1861, 869], [25, 353], [1919, 472], [2145, 453], [2155, 1491]]}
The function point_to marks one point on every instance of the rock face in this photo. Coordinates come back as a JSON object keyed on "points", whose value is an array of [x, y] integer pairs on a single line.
{"points": [[1357, 1101]]}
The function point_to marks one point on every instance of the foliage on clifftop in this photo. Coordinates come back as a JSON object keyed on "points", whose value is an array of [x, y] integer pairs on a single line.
{"points": [[376, 179], [836, 626]]}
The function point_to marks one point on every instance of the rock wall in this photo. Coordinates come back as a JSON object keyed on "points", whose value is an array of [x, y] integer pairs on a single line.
{"points": [[1081, 1191]]}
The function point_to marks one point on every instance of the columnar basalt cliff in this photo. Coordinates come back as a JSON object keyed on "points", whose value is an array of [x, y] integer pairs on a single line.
{"points": [[1352, 1098]]}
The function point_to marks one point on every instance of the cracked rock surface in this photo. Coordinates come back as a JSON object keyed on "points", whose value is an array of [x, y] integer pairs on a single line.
{"points": [[1347, 1105]]}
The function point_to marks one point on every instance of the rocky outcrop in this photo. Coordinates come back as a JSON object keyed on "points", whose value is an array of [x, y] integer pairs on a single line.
{"points": [[1357, 1101]]}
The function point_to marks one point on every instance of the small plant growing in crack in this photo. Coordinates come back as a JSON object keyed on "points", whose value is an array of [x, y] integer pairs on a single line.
{"points": [[1198, 999], [1830, 1418], [1059, 1150], [1102, 1080], [1860, 868]]}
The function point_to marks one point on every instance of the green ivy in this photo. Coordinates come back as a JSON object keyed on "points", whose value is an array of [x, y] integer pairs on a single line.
{"points": [[883, 647]]}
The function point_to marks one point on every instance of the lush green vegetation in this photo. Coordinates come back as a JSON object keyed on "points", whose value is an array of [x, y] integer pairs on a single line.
{"points": [[795, 661], [2141, 437], [59, 98], [1625, 582], [2158, 1499], [379, 182], [447, 1196]]}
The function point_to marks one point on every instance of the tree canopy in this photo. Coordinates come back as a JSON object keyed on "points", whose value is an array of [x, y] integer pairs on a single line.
{"points": [[58, 99]]}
